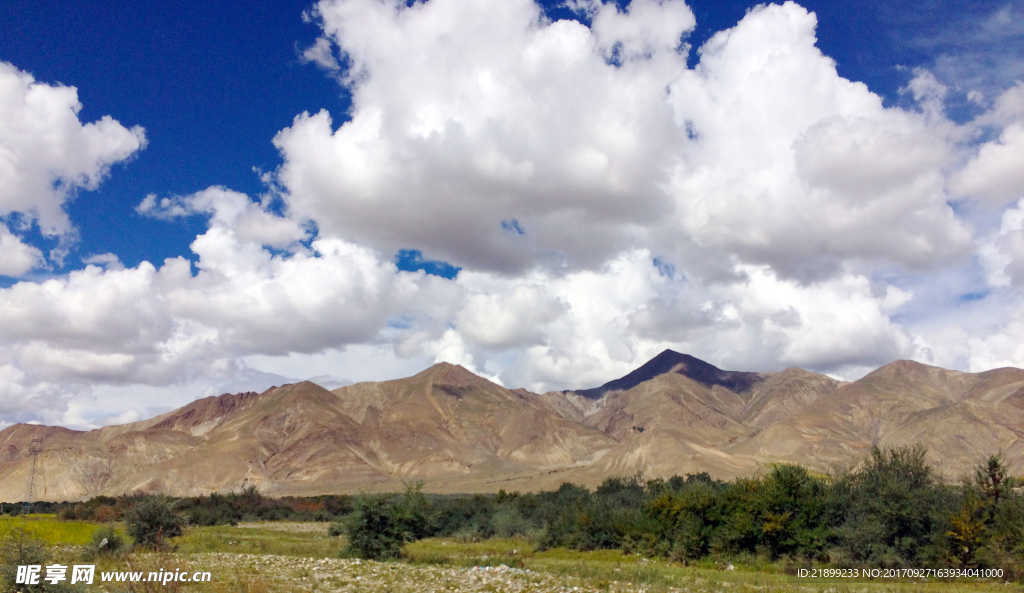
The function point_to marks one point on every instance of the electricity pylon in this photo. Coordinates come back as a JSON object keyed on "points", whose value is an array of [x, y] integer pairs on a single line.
{"points": [[35, 447]]}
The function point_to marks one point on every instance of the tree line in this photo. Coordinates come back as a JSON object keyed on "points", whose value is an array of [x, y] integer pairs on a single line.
{"points": [[891, 511], [247, 504]]}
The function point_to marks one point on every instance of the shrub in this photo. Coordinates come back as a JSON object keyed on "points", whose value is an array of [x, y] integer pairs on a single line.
{"points": [[469, 517], [415, 512], [106, 541], [151, 522], [381, 524], [508, 522], [18, 548], [375, 530]]}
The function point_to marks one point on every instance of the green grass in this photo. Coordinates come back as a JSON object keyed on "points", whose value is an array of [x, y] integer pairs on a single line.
{"points": [[491, 552], [224, 538], [49, 529], [603, 568], [600, 567]]}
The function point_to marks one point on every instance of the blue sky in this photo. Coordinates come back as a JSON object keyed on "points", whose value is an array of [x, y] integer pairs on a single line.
{"points": [[919, 260], [213, 83]]}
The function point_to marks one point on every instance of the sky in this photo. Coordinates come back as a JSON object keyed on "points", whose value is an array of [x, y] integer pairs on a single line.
{"points": [[202, 198]]}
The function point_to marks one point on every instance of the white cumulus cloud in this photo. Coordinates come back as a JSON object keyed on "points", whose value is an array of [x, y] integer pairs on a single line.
{"points": [[494, 139], [995, 173], [604, 201], [18, 257], [47, 154]]}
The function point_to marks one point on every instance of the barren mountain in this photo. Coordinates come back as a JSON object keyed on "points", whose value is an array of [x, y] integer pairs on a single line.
{"points": [[461, 433], [960, 417], [444, 425]]}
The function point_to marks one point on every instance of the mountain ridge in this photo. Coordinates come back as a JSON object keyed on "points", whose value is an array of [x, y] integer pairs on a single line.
{"points": [[460, 432]]}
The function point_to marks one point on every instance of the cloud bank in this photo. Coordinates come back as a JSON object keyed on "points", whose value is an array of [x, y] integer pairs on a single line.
{"points": [[603, 200]]}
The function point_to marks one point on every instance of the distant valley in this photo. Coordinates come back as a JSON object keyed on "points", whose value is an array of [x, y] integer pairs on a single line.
{"points": [[459, 432]]}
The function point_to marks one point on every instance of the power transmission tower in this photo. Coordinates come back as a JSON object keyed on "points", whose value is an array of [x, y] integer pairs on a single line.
{"points": [[35, 447]]}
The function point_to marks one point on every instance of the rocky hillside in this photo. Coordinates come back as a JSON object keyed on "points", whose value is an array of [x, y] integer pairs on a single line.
{"points": [[461, 433]]}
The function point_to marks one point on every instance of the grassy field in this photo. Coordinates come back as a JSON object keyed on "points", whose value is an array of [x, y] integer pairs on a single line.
{"points": [[49, 529], [272, 557], [284, 539], [604, 569]]}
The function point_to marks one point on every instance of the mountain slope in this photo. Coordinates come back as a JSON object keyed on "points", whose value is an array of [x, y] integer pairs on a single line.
{"points": [[462, 433], [447, 421], [210, 445], [960, 417], [444, 424]]}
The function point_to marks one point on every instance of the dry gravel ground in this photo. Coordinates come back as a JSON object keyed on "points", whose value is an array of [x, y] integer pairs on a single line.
{"points": [[269, 573], [334, 575]]}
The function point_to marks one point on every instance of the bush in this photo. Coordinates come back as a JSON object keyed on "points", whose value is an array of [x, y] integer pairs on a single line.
{"points": [[18, 548], [151, 522], [375, 530], [381, 524], [508, 522], [106, 541], [467, 517], [214, 509]]}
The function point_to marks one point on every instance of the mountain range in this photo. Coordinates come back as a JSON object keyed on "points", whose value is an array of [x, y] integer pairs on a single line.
{"points": [[459, 432]]}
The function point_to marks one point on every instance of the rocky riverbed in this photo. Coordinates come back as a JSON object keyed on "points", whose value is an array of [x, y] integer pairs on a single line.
{"points": [[273, 573]]}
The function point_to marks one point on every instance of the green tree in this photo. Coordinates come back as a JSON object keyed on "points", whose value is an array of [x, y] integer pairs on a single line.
{"points": [[688, 518], [792, 512], [967, 530], [994, 483], [151, 522], [897, 514], [374, 529], [1001, 513], [382, 523]]}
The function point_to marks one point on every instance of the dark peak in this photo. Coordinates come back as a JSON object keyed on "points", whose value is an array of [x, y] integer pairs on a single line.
{"points": [[671, 361]]}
